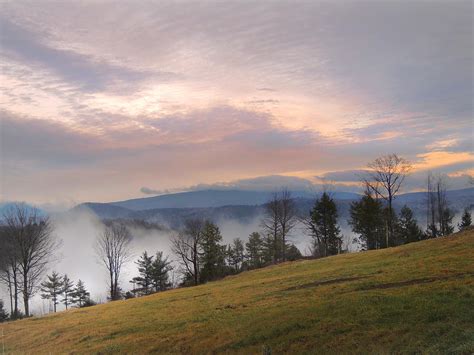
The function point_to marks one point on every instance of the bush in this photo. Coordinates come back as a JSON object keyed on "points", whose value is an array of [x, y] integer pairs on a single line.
{"points": [[88, 303], [3, 313]]}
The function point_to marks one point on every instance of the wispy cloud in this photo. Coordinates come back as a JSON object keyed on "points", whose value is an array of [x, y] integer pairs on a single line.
{"points": [[89, 75], [228, 91]]}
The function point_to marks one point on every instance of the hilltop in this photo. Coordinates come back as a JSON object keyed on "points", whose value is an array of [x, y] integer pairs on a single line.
{"points": [[413, 298]]}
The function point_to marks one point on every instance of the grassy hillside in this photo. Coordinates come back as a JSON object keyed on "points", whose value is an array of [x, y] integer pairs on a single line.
{"points": [[417, 297]]}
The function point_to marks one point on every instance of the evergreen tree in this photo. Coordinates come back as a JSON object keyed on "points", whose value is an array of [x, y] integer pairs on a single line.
{"points": [[407, 229], [465, 220], [88, 303], [3, 313], [367, 220], [212, 256], [254, 250], [432, 231], [272, 228], [145, 268], [160, 269], [80, 296], [324, 228], [67, 291], [293, 253], [129, 295], [235, 255], [52, 288], [446, 224], [269, 249]]}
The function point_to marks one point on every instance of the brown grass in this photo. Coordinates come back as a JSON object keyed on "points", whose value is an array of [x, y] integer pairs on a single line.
{"points": [[414, 298]]}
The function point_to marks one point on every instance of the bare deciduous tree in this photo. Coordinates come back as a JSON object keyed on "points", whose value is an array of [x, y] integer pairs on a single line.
{"points": [[33, 244], [286, 217], [386, 176], [9, 275], [439, 215], [271, 225], [185, 245], [431, 226], [445, 215], [278, 221], [113, 250], [9, 270]]}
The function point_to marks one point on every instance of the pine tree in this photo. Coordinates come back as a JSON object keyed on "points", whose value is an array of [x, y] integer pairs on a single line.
{"points": [[446, 221], [432, 231], [128, 295], [235, 254], [293, 253], [465, 220], [3, 313], [254, 250], [88, 303], [80, 296], [272, 230], [67, 291], [160, 269], [407, 228], [212, 253], [269, 249], [324, 228], [367, 220], [52, 288], [145, 266]]}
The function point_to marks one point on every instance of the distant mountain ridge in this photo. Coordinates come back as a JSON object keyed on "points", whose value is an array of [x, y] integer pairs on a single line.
{"points": [[174, 208], [213, 198]]}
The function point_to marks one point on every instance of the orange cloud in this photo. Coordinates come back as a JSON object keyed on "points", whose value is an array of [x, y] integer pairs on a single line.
{"points": [[439, 159]]}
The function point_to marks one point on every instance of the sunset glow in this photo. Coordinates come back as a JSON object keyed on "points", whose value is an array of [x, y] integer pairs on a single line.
{"points": [[225, 92]]}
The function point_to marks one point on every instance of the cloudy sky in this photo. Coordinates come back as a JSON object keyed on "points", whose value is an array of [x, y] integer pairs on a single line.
{"points": [[103, 101]]}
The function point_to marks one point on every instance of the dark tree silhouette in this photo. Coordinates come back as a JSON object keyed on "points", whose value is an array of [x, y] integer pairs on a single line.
{"points": [[323, 227], [113, 250], [80, 295], [212, 257], [67, 291], [145, 268], [286, 218], [235, 255], [386, 176], [160, 270], [439, 214], [408, 230], [254, 251], [185, 245], [3, 313], [271, 228], [367, 220], [33, 244], [465, 220], [52, 288]]}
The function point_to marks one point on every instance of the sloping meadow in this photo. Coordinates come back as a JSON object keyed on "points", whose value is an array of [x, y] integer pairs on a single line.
{"points": [[413, 298]]}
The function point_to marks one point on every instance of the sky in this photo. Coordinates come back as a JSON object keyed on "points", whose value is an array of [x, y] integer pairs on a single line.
{"points": [[103, 102]]}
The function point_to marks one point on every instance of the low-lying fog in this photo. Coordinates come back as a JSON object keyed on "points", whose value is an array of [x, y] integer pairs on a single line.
{"points": [[78, 230]]}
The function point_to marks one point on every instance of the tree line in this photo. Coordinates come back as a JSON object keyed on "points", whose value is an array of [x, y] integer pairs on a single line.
{"points": [[59, 288], [27, 241], [202, 256]]}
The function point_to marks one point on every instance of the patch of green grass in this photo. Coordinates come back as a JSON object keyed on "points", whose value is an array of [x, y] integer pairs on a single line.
{"points": [[411, 299]]}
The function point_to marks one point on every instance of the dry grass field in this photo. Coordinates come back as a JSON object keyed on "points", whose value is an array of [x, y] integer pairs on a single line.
{"points": [[414, 298]]}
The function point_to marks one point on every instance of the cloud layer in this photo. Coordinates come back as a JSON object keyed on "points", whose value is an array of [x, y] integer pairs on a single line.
{"points": [[100, 101]]}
